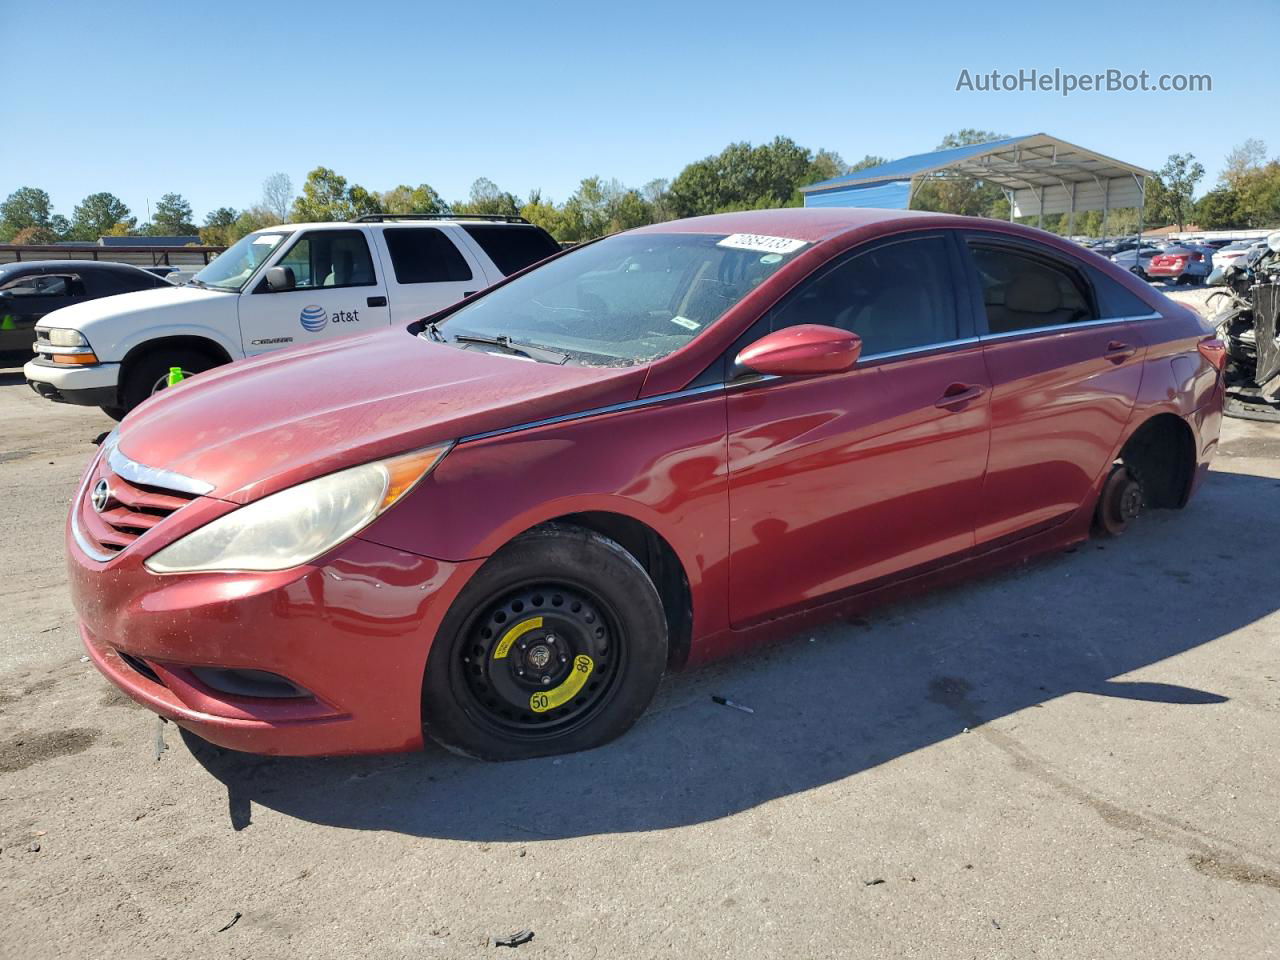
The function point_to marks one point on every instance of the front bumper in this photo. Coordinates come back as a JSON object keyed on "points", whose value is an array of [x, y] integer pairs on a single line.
{"points": [[352, 630], [93, 386]]}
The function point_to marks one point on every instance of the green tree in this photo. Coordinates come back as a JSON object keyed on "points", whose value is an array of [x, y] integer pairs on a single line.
{"points": [[326, 196], [487, 198], [419, 199], [1178, 179], [963, 195], [1218, 209], [98, 215], [25, 208], [1243, 159], [1260, 196], [746, 177], [173, 217], [219, 227]]}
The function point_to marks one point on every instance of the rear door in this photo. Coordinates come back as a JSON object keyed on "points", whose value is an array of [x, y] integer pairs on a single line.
{"points": [[338, 293], [426, 269], [838, 481], [1065, 367]]}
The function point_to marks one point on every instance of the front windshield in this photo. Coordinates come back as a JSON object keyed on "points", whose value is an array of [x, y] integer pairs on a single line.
{"points": [[234, 266], [627, 299]]}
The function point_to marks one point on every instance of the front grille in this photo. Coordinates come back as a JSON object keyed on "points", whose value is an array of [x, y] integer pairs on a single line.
{"points": [[131, 509]]}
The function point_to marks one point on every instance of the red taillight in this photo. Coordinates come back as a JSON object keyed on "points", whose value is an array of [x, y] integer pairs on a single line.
{"points": [[1214, 351], [1197, 256]]}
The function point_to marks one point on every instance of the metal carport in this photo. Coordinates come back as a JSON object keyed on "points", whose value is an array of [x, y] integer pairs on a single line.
{"points": [[1039, 174]]}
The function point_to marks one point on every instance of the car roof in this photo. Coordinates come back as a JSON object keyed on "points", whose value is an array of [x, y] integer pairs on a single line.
{"points": [[391, 219], [810, 224], [45, 266]]}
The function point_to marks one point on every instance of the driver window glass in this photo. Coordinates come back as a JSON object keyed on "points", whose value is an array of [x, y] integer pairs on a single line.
{"points": [[1024, 292], [897, 296], [330, 258]]}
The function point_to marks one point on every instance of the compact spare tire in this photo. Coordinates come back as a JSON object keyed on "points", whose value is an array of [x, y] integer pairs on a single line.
{"points": [[556, 645]]}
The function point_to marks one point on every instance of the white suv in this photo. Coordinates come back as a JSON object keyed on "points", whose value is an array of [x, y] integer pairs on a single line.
{"points": [[278, 287]]}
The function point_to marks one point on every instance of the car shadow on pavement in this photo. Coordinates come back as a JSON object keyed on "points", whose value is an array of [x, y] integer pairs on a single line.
{"points": [[835, 701]]}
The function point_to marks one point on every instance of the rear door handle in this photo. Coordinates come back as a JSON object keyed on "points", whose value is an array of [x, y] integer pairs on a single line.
{"points": [[467, 293], [1119, 352], [958, 394], [377, 301]]}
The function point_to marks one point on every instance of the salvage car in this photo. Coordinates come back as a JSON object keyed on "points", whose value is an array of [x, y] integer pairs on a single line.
{"points": [[1181, 263], [33, 288], [499, 526]]}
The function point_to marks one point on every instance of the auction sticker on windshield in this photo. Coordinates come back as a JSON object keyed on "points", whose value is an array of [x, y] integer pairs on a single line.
{"points": [[760, 242]]}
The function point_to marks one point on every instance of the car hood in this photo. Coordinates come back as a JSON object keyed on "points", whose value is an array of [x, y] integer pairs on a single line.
{"points": [[79, 316], [260, 425]]}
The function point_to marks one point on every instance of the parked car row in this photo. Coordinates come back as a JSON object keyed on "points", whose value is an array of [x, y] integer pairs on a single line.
{"points": [[498, 526]]}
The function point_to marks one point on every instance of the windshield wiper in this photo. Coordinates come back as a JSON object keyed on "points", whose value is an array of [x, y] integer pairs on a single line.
{"points": [[434, 332], [506, 343], [197, 282]]}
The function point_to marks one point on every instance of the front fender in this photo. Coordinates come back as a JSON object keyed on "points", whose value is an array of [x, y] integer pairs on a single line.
{"points": [[664, 466], [141, 337]]}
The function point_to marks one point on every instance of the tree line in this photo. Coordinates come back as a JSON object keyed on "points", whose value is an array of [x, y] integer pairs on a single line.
{"points": [[742, 176]]}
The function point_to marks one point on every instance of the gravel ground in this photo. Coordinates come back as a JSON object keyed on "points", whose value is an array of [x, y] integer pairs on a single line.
{"points": [[1073, 759]]}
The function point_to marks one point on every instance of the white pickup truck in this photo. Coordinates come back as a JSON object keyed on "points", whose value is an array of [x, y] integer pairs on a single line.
{"points": [[278, 287]]}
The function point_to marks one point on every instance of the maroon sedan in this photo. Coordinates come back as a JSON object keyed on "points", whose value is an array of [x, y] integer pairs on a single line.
{"points": [[498, 528]]}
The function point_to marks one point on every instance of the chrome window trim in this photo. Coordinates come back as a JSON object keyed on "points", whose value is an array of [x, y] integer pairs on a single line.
{"points": [[748, 382], [136, 472], [1062, 327], [597, 411]]}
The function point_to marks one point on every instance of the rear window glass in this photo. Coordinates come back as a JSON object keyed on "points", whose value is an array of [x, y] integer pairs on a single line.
{"points": [[1113, 299], [512, 248], [1024, 291], [425, 255]]}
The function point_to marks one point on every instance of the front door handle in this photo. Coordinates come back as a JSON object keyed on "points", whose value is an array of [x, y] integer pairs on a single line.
{"points": [[1119, 352], [958, 394], [468, 293], [376, 301]]}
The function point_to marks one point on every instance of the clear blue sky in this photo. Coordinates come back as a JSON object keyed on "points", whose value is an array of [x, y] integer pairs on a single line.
{"points": [[207, 99]]}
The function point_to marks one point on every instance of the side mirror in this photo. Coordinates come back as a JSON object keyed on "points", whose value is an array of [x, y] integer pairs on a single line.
{"points": [[805, 349], [280, 279]]}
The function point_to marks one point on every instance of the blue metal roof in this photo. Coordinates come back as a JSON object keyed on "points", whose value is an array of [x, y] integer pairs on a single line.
{"points": [[908, 167], [889, 195]]}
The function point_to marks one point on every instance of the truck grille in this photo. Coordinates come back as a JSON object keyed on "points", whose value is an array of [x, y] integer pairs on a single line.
{"points": [[129, 511]]}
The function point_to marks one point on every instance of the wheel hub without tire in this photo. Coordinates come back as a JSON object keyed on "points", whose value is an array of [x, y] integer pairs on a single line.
{"points": [[540, 659]]}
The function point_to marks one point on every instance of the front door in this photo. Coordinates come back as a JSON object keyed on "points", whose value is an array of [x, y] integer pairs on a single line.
{"points": [[837, 481], [338, 292]]}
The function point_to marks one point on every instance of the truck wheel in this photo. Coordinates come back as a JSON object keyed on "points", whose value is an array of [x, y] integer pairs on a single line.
{"points": [[115, 413], [556, 645], [150, 374]]}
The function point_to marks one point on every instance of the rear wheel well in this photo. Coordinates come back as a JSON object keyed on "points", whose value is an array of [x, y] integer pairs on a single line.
{"points": [[1161, 455], [660, 562]]}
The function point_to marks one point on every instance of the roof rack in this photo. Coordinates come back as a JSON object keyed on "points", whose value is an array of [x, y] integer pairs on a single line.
{"points": [[494, 217]]}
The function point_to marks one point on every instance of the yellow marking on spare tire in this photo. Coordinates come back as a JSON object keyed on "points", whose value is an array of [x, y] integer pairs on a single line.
{"points": [[542, 701], [514, 634]]}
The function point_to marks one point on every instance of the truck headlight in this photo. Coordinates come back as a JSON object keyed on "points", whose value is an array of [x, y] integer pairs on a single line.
{"points": [[63, 337], [298, 524]]}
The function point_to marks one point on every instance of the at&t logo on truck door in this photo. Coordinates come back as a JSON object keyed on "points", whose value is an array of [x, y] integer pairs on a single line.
{"points": [[313, 318]]}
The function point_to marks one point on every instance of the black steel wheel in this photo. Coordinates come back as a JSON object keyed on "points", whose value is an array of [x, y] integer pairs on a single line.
{"points": [[556, 645], [1121, 502]]}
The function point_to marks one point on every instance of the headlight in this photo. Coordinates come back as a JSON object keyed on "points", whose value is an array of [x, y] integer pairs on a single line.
{"points": [[62, 337], [299, 524]]}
